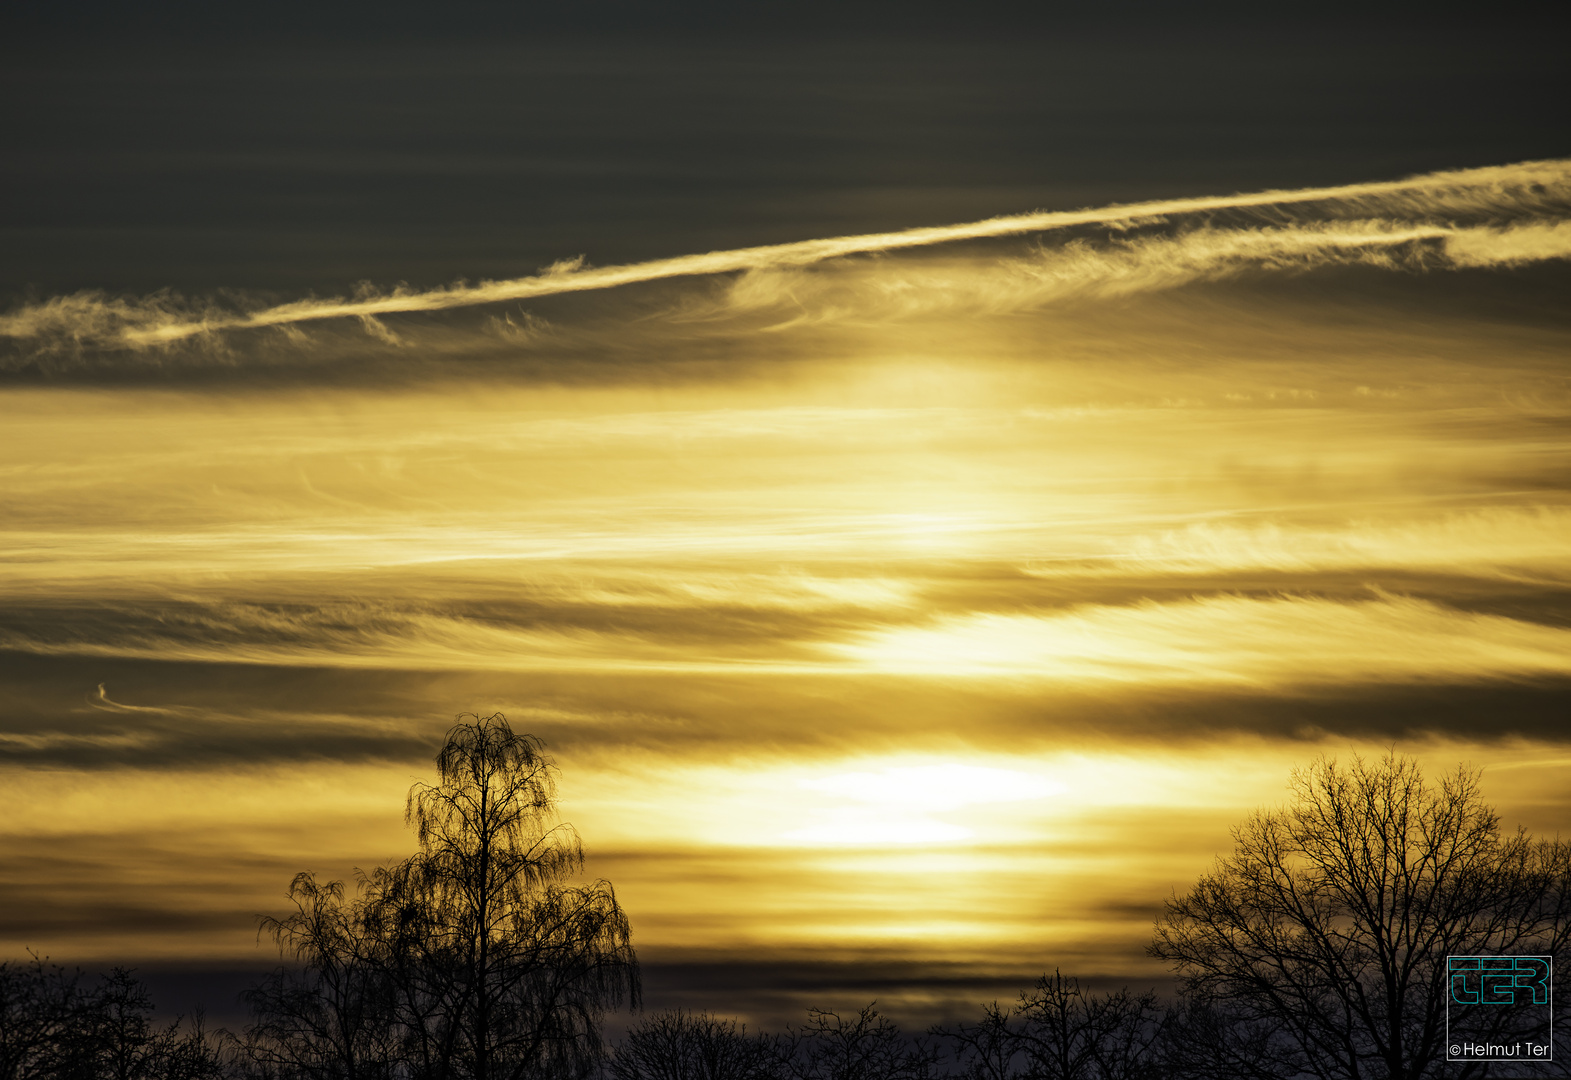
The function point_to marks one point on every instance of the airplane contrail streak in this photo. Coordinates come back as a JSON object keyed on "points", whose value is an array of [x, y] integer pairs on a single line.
{"points": [[1453, 191]]}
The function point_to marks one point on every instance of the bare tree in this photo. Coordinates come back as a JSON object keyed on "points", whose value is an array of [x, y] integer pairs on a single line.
{"points": [[41, 1004], [474, 959], [866, 1046], [533, 962], [117, 1040], [1205, 1040], [54, 1025], [1330, 923], [1070, 1034], [678, 1045], [1060, 1032], [989, 1049]]}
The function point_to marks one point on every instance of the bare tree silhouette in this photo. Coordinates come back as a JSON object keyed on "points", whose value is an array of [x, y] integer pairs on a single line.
{"points": [[474, 958], [56, 1026], [678, 1045], [1329, 925], [866, 1046], [1060, 1032], [988, 1049]]}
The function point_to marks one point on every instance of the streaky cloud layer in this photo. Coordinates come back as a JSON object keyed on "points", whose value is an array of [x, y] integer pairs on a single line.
{"points": [[788, 554]]}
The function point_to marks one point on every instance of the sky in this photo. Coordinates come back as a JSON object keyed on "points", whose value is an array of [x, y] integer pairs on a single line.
{"points": [[925, 481]]}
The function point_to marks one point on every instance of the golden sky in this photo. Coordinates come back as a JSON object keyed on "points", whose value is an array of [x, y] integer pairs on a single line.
{"points": [[934, 599]]}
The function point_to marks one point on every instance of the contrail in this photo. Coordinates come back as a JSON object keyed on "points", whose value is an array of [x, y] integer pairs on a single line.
{"points": [[1458, 191]]}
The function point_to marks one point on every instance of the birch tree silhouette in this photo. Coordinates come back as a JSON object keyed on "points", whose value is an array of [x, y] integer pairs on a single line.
{"points": [[475, 958]]}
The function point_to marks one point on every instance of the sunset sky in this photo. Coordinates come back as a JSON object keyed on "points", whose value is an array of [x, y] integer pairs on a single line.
{"points": [[923, 482]]}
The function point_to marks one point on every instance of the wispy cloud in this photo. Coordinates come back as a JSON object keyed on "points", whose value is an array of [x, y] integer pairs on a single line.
{"points": [[1467, 218], [1227, 640], [1272, 641], [1123, 267]]}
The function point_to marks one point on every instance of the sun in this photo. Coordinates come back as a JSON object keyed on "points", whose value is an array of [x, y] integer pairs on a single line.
{"points": [[899, 804]]}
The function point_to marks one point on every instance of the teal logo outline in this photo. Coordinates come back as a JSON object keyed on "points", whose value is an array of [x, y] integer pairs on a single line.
{"points": [[1499, 980]]}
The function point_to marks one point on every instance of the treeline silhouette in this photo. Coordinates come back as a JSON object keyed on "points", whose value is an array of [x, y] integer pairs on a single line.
{"points": [[1317, 949]]}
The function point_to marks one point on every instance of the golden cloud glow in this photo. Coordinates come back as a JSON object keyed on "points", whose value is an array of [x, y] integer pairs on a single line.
{"points": [[951, 602], [1227, 640]]}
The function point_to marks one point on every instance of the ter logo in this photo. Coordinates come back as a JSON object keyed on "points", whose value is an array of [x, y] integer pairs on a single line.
{"points": [[1499, 980]]}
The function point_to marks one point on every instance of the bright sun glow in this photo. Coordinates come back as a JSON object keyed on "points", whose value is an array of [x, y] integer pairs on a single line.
{"points": [[935, 787], [898, 802]]}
